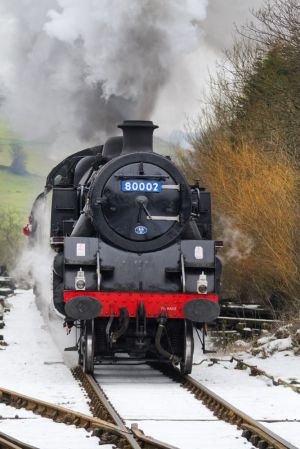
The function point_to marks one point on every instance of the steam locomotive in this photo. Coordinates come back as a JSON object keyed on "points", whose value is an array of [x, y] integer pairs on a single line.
{"points": [[135, 266]]}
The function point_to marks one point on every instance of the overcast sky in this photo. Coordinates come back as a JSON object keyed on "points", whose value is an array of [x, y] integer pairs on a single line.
{"points": [[70, 70], [180, 99]]}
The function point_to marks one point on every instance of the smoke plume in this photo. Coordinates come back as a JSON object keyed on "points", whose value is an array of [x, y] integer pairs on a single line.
{"points": [[83, 66], [222, 18], [73, 69]]}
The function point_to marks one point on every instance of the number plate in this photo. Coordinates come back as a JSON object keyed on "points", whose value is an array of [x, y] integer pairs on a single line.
{"points": [[140, 186]]}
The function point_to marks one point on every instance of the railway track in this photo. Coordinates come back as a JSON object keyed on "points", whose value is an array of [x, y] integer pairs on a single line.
{"points": [[253, 431], [257, 434], [109, 430], [102, 408], [238, 320], [109, 426], [8, 442], [60, 414]]}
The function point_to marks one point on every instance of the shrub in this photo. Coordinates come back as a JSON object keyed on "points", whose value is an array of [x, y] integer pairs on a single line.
{"points": [[256, 213], [10, 236]]}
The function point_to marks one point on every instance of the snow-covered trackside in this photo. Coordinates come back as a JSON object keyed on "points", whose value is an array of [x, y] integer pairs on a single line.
{"points": [[257, 396], [31, 364], [164, 410], [44, 433]]}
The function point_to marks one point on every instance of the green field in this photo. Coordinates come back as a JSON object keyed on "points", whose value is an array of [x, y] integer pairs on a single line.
{"points": [[18, 192]]}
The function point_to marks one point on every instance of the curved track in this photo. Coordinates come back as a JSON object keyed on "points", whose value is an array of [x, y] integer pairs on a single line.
{"points": [[252, 430], [111, 429], [61, 414], [102, 408], [109, 426]]}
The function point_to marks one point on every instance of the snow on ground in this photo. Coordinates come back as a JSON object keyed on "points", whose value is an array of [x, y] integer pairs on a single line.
{"points": [[32, 364], [44, 433], [196, 435], [256, 396], [284, 365], [165, 410]]}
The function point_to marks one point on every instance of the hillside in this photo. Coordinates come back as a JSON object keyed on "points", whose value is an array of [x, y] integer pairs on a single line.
{"points": [[18, 192]]}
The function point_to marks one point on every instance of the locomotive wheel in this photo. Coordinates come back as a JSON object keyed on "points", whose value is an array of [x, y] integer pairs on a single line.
{"points": [[80, 356], [80, 344], [188, 349], [87, 347]]}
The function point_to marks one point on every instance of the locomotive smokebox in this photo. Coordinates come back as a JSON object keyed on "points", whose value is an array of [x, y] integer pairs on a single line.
{"points": [[137, 136]]}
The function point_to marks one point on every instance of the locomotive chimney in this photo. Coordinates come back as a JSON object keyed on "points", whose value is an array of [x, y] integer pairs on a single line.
{"points": [[137, 136]]}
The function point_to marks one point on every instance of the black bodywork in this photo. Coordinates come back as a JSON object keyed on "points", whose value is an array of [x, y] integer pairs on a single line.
{"points": [[133, 242]]}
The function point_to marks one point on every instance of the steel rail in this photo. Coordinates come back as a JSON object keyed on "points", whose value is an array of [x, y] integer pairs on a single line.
{"points": [[250, 320], [8, 442], [61, 414], [259, 435], [102, 408], [253, 430]]}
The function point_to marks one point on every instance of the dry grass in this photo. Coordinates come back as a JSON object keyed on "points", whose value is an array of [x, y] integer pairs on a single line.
{"points": [[256, 212]]}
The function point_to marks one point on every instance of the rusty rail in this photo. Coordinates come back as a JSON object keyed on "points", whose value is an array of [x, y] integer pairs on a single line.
{"points": [[259, 435], [110, 428], [102, 408], [254, 431], [8, 442], [61, 414]]}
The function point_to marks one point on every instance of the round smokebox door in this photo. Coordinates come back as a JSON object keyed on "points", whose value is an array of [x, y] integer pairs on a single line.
{"points": [[139, 202], [142, 201]]}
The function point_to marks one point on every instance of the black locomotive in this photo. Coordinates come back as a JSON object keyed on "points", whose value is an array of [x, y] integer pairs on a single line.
{"points": [[136, 266]]}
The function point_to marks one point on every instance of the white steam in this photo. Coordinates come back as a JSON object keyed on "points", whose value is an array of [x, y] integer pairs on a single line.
{"points": [[237, 245], [72, 69], [34, 264], [75, 67]]}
